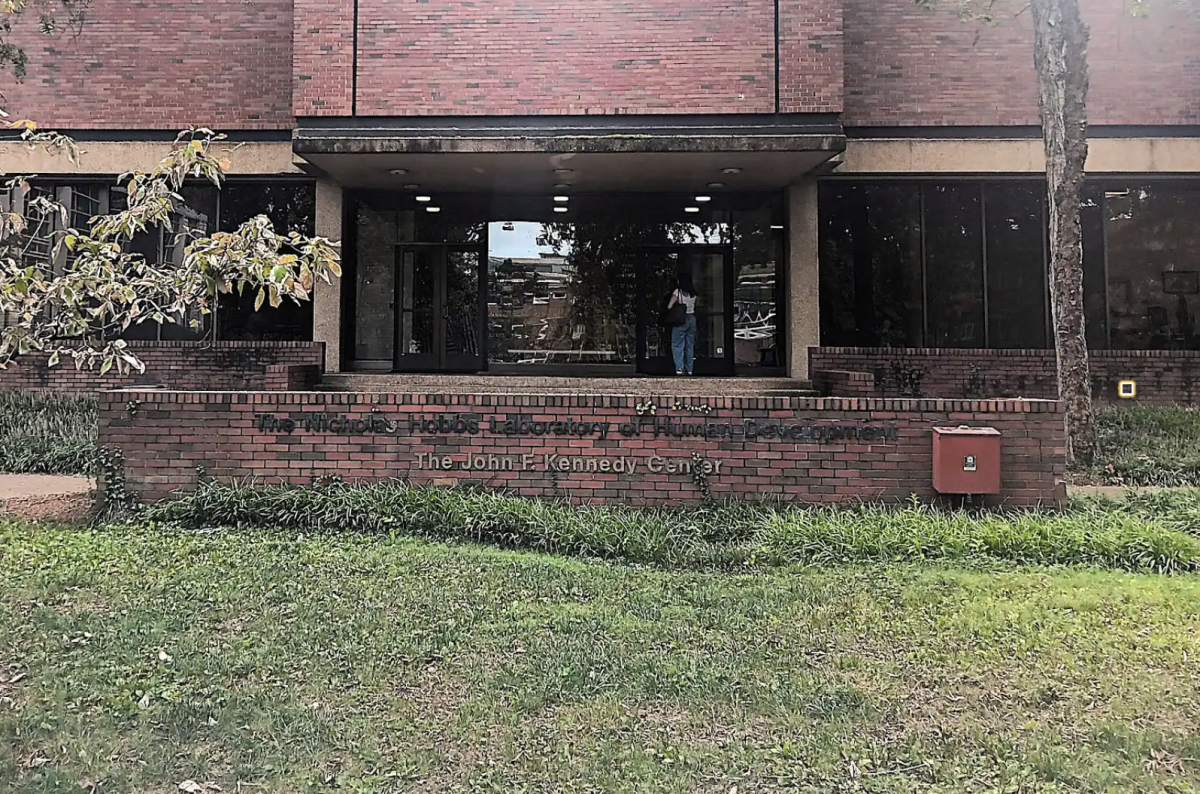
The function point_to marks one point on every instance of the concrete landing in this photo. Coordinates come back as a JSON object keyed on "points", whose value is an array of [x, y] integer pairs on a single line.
{"points": [[46, 497], [546, 385]]}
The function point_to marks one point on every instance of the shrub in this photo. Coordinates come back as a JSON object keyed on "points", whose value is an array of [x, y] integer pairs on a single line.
{"points": [[720, 536], [1153, 446], [47, 433]]}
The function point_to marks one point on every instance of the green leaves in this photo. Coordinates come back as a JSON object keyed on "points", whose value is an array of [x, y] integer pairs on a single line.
{"points": [[104, 289]]}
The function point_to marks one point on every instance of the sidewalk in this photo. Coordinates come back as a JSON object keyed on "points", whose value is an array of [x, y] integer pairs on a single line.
{"points": [[46, 497], [1117, 492]]}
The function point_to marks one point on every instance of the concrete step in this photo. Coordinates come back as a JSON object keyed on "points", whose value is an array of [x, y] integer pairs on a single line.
{"points": [[505, 384]]}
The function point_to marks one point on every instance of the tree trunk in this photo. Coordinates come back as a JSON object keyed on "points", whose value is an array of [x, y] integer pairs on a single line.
{"points": [[1060, 55]]}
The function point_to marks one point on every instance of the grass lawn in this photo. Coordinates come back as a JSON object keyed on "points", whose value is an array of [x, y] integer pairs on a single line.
{"points": [[134, 660]]}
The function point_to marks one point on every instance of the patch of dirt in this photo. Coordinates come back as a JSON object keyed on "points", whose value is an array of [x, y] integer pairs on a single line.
{"points": [[47, 497]]}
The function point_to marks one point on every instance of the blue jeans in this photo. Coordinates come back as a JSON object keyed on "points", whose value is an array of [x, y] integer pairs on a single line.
{"points": [[683, 344]]}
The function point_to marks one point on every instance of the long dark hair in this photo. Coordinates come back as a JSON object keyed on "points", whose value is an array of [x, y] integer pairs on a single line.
{"points": [[685, 284]]}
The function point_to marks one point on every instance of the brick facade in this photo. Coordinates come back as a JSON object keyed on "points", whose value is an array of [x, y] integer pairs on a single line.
{"points": [[184, 365], [298, 438], [811, 51], [323, 65], [513, 57], [160, 65], [1163, 377], [234, 65], [909, 67]]}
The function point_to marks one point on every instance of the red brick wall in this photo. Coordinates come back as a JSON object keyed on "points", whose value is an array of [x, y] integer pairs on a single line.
{"points": [[240, 435], [844, 383], [183, 365], [290, 377], [324, 57], [515, 57], [906, 66], [160, 64], [1163, 377], [811, 69]]}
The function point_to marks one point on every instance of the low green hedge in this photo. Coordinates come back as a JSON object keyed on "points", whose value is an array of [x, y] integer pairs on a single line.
{"points": [[46, 433], [1149, 446], [725, 536]]}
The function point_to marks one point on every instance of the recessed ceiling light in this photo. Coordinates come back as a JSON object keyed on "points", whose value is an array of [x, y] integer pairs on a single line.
{"points": [[562, 199], [703, 199], [562, 186], [691, 209], [715, 185], [412, 187], [731, 171], [777, 227], [561, 209], [433, 209], [564, 172], [424, 198], [398, 172]]}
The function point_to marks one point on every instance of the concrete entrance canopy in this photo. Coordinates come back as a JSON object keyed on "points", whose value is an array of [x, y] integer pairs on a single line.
{"points": [[534, 155]]}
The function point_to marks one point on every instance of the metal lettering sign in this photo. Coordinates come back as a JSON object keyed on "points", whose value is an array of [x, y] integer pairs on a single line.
{"points": [[751, 430]]}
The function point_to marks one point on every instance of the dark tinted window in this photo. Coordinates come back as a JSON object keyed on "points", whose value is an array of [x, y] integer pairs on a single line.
{"points": [[1016, 275], [1152, 239], [291, 207], [871, 283], [954, 265]]}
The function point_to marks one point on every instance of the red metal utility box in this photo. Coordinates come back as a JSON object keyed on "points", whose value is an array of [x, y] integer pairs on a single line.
{"points": [[966, 460]]}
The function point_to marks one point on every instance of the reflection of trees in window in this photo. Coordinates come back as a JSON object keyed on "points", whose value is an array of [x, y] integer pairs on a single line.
{"points": [[871, 274], [756, 255], [1016, 272], [580, 301], [598, 310], [954, 265], [1152, 240]]}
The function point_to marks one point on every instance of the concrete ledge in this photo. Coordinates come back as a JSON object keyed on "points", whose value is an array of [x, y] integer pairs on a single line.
{"points": [[569, 144]]}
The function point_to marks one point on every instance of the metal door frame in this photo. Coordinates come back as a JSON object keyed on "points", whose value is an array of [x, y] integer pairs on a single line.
{"points": [[439, 359], [648, 313]]}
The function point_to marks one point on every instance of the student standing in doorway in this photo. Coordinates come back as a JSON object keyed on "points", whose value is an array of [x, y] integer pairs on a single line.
{"points": [[683, 337]]}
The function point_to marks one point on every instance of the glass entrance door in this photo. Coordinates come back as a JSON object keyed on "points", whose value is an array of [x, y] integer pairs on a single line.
{"points": [[439, 308], [712, 272]]}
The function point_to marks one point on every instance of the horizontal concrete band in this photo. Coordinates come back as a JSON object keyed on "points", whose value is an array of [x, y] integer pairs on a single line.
{"points": [[569, 144], [685, 403]]}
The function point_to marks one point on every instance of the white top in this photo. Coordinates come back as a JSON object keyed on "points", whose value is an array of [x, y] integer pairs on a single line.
{"points": [[688, 301]]}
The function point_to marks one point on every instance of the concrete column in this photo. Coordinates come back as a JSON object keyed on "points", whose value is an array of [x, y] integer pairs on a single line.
{"points": [[803, 306], [327, 298]]}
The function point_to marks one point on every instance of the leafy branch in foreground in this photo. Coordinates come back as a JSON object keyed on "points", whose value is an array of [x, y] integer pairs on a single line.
{"points": [[93, 288]]}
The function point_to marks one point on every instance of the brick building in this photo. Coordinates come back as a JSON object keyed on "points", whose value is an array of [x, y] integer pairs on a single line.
{"points": [[855, 185]]}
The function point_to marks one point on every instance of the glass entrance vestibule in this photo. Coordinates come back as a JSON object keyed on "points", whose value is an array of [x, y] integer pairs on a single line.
{"points": [[574, 285]]}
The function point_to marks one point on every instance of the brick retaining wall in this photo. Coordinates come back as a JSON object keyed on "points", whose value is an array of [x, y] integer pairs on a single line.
{"points": [[181, 365], [1163, 377], [603, 449]]}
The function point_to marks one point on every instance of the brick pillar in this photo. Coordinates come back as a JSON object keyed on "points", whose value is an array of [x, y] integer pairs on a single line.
{"points": [[803, 308], [327, 298]]}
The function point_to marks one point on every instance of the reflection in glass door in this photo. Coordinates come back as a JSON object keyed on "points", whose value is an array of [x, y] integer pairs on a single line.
{"points": [[712, 273], [439, 309]]}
